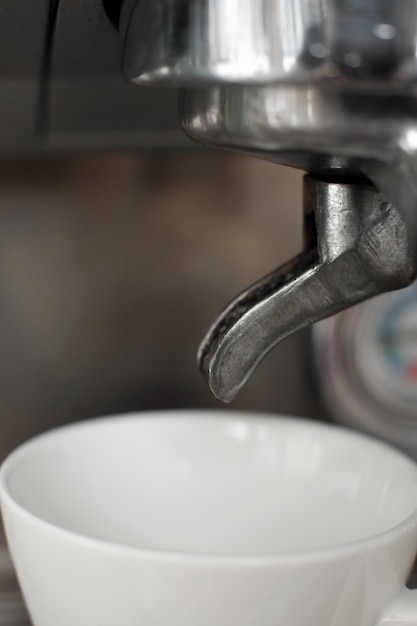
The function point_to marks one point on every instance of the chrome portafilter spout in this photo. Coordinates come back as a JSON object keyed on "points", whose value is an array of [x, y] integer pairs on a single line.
{"points": [[357, 245], [327, 86]]}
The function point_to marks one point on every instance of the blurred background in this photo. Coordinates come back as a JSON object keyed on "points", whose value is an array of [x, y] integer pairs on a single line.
{"points": [[113, 266]]}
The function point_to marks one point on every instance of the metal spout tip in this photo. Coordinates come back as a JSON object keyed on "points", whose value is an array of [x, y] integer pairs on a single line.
{"points": [[222, 393], [225, 398], [223, 384]]}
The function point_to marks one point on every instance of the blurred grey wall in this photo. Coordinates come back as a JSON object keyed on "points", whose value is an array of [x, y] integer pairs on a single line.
{"points": [[113, 267]]}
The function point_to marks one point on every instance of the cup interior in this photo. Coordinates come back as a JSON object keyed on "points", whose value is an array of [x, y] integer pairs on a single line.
{"points": [[212, 483]]}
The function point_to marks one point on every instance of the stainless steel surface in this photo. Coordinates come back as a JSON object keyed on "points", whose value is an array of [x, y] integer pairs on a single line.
{"points": [[269, 41], [325, 132], [215, 41], [324, 86], [363, 125], [362, 248]]}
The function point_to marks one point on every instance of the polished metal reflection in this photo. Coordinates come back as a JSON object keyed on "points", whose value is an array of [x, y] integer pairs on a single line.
{"points": [[327, 132], [265, 41], [332, 133], [327, 86], [362, 247]]}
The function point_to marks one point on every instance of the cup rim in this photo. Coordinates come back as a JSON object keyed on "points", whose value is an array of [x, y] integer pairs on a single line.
{"points": [[278, 558]]}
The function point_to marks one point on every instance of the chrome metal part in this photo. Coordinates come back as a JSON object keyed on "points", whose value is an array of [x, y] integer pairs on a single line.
{"points": [[361, 248], [327, 86], [268, 41], [327, 132]]}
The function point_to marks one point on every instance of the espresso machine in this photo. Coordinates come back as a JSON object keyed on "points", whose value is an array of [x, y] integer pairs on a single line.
{"points": [[322, 86]]}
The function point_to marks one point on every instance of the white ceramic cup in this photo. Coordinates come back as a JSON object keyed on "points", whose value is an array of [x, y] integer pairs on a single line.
{"points": [[211, 519]]}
